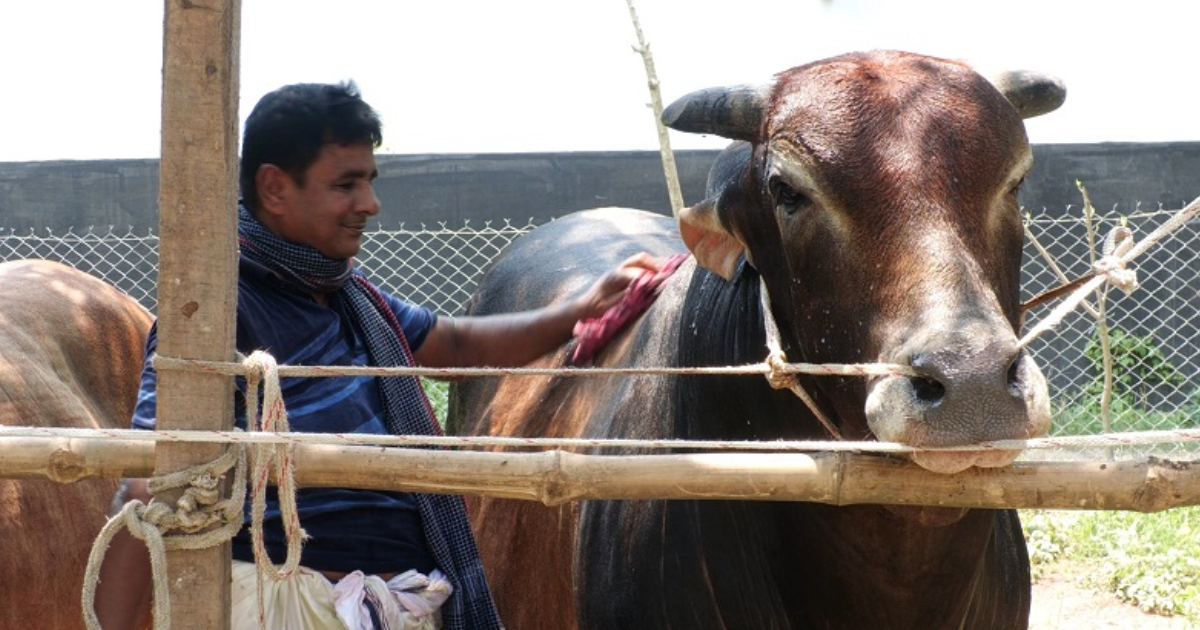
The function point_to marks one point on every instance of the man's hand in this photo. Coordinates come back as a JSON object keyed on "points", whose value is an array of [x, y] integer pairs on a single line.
{"points": [[611, 287], [515, 339]]}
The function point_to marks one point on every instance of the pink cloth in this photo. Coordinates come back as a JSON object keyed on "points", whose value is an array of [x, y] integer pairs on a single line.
{"points": [[593, 334]]}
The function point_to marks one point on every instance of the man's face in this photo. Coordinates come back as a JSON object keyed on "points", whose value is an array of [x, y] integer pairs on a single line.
{"points": [[330, 211]]}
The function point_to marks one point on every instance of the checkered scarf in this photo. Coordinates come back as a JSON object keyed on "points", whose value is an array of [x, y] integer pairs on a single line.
{"points": [[407, 409]]}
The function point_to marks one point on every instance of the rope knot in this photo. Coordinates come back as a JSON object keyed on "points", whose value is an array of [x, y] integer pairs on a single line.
{"points": [[199, 518], [779, 375], [1113, 265]]}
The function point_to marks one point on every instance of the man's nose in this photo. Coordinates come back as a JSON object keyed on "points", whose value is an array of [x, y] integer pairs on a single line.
{"points": [[368, 202]]}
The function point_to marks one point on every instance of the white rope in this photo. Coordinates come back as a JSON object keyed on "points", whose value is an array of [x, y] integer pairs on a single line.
{"points": [[201, 506], [1118, 243], [780, 377], [198, 509], [824, 369], [1130, 438], [1120, 250], [261, 368]]}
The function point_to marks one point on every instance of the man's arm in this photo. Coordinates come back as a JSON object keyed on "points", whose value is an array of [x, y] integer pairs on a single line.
{"points": [[515, 339], [123, 593]]}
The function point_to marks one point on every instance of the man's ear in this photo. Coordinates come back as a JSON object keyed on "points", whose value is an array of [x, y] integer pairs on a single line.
{"points": [[274, 187]]}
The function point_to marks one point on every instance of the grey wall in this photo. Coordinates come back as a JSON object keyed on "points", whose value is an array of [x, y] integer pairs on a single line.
{"points": [[62, 195], [415, 189], [1121, 175], [452, 188]]}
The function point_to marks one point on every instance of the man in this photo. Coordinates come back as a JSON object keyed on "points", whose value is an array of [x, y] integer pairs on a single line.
{"points": [[386, 559]]}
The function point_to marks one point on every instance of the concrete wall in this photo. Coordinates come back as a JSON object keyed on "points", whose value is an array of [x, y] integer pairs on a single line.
{"points": [[453, 188]]}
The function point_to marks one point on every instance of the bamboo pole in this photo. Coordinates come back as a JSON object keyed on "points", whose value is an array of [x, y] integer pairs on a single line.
{"points": [[670, 172], [556, 477], [197, 268]]}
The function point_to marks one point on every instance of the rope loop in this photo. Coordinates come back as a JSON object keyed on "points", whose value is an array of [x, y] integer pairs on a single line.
{"points": [[268, 458], [201, 518]]}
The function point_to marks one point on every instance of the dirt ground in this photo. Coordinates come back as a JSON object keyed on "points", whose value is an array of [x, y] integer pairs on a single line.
{"points": [[1060, 602]]}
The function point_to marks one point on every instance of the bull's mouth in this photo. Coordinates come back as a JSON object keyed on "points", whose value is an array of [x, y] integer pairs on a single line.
{"points": [[951, 462]]}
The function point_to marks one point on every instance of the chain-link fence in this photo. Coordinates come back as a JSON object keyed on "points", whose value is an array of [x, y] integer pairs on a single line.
{"points": [[1154, 333], [127, 261], [433, 267]]}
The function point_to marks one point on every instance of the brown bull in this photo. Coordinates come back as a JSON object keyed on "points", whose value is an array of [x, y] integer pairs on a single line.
{"points": [[71, 351], [875, 197]]}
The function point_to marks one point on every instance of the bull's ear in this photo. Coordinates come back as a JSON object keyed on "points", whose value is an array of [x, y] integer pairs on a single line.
{"points": [[714, 247], [1032, 93]]}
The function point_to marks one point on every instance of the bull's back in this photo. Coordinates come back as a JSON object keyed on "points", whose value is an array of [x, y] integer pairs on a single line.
{"points": [[71, 351], [563, 257], [553, 263], [527, 548]]}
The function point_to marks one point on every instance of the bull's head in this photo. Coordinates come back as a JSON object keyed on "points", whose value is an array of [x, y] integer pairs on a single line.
{"points": [[876, 195]]}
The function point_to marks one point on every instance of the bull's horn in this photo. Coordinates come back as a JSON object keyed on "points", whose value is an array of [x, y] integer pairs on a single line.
{"points": [[730, 112], [1032, 93]]}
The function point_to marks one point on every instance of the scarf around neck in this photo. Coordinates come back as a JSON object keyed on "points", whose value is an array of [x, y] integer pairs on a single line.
{"points": [[406, 408]]}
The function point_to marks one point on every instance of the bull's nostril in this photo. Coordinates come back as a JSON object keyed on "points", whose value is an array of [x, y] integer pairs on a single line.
{"points": [[927, 389], [1013, 377]]}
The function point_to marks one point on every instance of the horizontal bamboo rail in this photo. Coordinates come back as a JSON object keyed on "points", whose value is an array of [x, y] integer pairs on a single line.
{"points": [[555, 477]]}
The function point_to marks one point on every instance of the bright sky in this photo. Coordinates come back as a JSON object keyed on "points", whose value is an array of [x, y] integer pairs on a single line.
{"points": [[82, 79]]}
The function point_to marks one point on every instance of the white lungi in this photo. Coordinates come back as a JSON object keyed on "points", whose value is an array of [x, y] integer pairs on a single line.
{"points": [[309, 601]]}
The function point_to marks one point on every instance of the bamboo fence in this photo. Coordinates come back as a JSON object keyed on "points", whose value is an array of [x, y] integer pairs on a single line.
{"points": [[557, 476]]}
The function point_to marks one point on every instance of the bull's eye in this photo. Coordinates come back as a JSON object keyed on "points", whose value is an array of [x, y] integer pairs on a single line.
{"points": [[1016, 187], [787, 198]]}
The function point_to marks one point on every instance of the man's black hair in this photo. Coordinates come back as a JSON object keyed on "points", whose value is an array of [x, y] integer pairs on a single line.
{"points": [[288, 127]]}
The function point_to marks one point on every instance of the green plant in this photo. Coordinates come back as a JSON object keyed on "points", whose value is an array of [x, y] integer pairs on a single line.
{"points": [[1139, 366], [1044, 539], [439, 396], [1149, 560]]}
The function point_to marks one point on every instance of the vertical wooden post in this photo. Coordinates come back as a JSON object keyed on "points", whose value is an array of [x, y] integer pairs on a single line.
{"points": [[198, 266]]}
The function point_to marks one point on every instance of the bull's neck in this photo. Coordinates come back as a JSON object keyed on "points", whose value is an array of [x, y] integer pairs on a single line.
{"points": [[857, 548], [721, 324]]}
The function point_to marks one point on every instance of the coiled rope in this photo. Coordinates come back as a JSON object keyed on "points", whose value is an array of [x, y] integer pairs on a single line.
{"points": [[200, 518]]}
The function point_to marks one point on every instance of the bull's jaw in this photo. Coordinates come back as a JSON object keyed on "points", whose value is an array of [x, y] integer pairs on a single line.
{"points": [[897, 412]]}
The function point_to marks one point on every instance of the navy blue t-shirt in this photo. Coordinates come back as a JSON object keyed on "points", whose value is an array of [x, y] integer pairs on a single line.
{"points": [[370, 530]]}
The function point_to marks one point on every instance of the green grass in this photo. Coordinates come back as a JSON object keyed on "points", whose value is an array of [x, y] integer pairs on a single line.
{"points": [[1149, 560], [1084, 419]]}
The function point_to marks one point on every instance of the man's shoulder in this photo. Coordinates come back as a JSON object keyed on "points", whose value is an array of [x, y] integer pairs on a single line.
{"points": [[258, 282], [395, 302], [249, 270]]}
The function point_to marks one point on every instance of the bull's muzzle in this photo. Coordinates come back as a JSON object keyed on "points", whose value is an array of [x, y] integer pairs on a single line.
{"points": [[962, 394]]}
